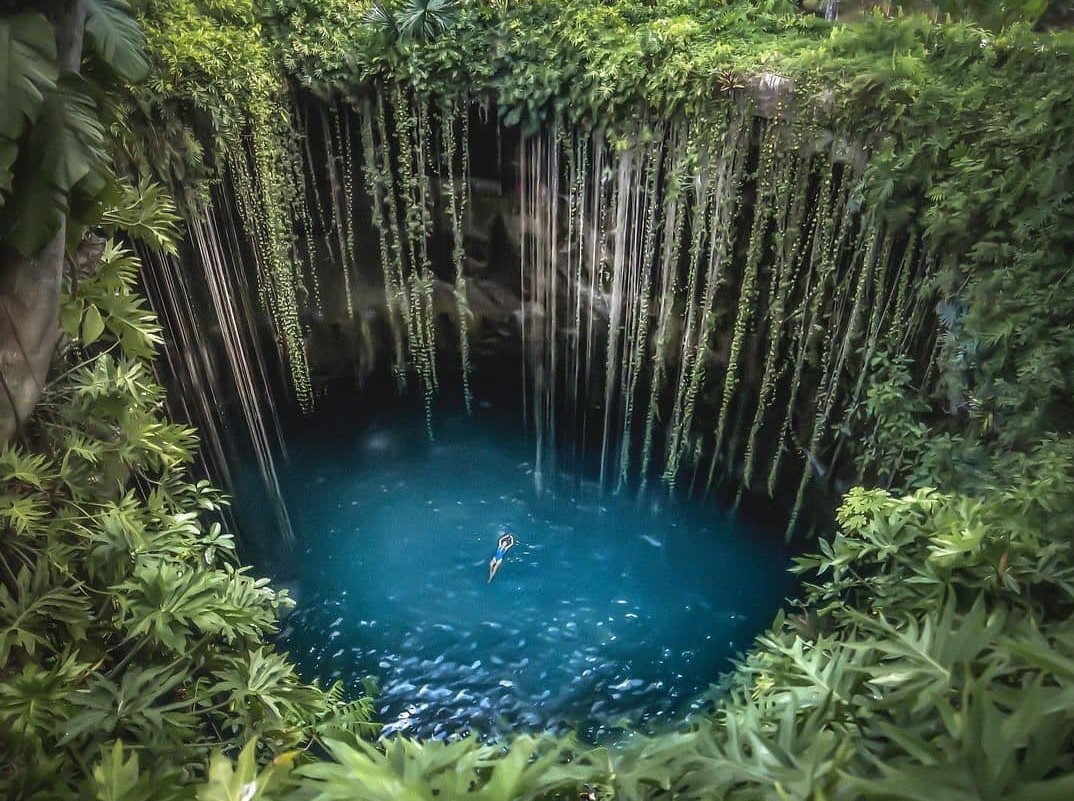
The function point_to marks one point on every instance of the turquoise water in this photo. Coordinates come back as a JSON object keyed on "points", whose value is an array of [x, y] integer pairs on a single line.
{"points": [[609, 611]]}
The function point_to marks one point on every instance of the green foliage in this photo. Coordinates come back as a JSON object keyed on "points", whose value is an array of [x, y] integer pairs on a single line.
{"points": [[210, 54], [117, 37], [107, 300], [30, 71], [145, 213], [36, 603], [53, 163], [995, 15], [933, 654], [131, 644], [244, 781], [412, 19], [528, 768], [213, 71], [63, 154], [964, 132], [907, 673]]}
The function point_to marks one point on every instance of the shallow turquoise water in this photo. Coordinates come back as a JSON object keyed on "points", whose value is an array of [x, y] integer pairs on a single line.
{"points": [[610, 609]]}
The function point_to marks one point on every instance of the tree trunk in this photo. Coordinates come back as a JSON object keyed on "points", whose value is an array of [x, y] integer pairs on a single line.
{"points": [[30, 288]]}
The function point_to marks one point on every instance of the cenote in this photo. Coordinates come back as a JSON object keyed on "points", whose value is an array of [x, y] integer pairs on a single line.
{"points": [[614, 610], [305, 304]]}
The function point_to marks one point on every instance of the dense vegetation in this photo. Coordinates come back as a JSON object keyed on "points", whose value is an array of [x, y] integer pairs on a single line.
{"points": [[962, 127], [130, 635], [964, 132], [933, 652]]}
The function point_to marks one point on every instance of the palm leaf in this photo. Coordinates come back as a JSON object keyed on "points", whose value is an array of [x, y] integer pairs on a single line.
{"points": [[381, 18], [425, 19]]}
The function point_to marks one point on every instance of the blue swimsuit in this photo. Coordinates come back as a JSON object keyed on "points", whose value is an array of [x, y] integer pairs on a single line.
{"points": [[500, 553]]}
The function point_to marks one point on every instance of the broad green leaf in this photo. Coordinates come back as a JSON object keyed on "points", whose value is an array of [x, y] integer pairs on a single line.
{"points": [[64, 148], [8, 152], [28, 72], [1058, 788], [71, 317], [117, 37]]}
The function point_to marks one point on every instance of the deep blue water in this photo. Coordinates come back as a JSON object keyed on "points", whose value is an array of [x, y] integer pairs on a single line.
{"points": [[610, 610]]}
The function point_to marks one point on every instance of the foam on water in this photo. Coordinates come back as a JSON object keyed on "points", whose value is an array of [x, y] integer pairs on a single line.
{"points": [[610, 609]]}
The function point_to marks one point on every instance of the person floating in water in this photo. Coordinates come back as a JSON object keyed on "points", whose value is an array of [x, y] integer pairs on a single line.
{"points": [[505, 543]]}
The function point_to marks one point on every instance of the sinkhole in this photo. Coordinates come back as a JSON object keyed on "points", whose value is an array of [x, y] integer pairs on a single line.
{"points": [[613, 610]]}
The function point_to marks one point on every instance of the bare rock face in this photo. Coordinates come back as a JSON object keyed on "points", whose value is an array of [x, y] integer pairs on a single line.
{"points": [[773, 94], [492, 301]]}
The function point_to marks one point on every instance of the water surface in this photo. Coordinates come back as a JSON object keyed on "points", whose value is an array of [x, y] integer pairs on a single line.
{"points": [[609, 611]]}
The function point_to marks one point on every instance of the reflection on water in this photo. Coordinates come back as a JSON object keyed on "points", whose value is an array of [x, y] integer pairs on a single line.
{"points": [[608, 609]]}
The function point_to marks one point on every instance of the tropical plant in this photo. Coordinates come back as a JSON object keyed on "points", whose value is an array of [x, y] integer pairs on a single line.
{"points": [[418, 20], [130, 640], [54, 170]]}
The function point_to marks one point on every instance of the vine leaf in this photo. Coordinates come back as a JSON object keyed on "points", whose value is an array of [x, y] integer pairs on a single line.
{"points": [[117, 778], [92, 326]]}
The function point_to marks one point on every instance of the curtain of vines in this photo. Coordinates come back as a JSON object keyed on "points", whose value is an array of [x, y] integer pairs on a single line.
{"points": [[728, 293], [413, 154]]}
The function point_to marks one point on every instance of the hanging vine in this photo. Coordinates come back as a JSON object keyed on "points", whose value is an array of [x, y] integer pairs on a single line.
{"points": [[765, 184], [726, 202], [458, 151], [674, 215], [654, 160], [704, 192], [831, 368], [335, 149], [787, 245], [817, 285], [268, 202]]}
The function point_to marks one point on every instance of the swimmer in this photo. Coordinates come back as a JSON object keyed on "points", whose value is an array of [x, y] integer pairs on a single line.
{"points": [[506, 541]]}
